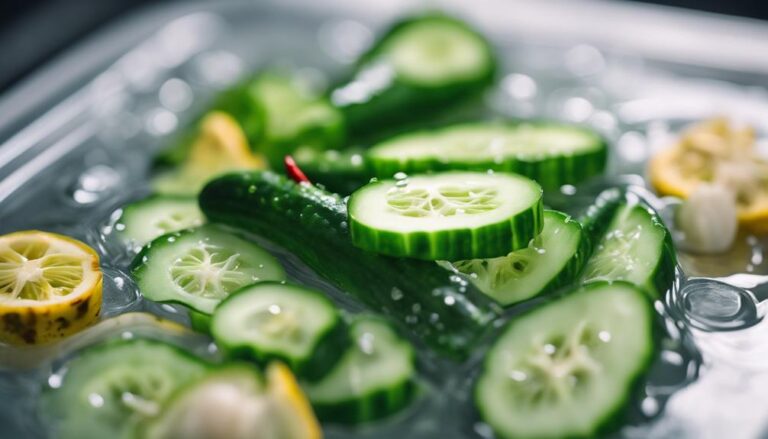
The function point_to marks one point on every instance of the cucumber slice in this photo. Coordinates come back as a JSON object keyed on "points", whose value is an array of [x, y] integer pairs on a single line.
{"points": [[554, 258], [568, 368], [109, 388], [420, 66], [200, 267], [635, 248], [273, 321], [293, 117], [145, 220], [550, 153], [375, 377], [234, 402], [451, 215]]}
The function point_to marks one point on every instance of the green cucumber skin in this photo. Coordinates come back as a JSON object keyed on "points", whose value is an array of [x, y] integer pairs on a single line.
{"points": [[575, 265], [402, 102], [597, 219], [376, 405], [614, 420], [464, 243], [549, 172], [328, 350], [312, 224], [199, 321]]}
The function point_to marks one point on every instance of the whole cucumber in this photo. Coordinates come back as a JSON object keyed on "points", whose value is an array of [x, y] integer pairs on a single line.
{"points": [[438, 307]]}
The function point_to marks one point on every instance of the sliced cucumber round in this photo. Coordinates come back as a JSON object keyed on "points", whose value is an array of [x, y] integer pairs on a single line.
{"points": [[435, 51], [200, 267], [422, 66], [274, 321], [635, 248], [553, 258], [145, 220], [234, 402], [451, 215], [550, 153], [568, 368], [108, 389], [375, 377]]}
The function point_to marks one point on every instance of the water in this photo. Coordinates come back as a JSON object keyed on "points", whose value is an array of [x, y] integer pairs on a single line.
{"points": [[713, 364]]}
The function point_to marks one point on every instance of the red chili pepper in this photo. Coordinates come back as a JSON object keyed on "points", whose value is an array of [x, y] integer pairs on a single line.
{"points": [[293, 171]]}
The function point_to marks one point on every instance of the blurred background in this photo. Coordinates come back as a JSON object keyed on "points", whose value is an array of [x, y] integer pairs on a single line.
{"points": [[34, 31]]}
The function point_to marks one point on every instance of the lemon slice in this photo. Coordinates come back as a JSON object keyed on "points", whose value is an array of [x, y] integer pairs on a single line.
{"points": [[220, 147], [50, 287], [292, 405], [236, 401], [715, 152]]}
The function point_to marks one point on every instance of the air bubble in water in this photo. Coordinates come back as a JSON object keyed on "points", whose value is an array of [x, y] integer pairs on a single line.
{"points": [[716, 306]]}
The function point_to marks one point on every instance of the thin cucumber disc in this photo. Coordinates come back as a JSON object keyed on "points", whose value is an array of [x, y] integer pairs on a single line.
{"points": [[435, 51], [451, 215], [374, 378], [107, 389], [553, 259], [632, 249], [273, 321], [200, 267], [550, 153], [568, 368], [151, 217]]}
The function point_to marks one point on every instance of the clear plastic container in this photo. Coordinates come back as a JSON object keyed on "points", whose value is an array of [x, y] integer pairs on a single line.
{"points": [[77, 139]]}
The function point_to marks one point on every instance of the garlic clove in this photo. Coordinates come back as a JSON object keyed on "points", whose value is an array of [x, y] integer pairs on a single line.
{"points": [[708, 219]]}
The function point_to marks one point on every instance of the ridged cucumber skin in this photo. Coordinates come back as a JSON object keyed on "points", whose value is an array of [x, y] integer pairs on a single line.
{"points": [[490, 240], [401, 101], [312, 224], [377, 405], [327, 350], [372, 406], [550, 172], [613, 420], [597, 219]]}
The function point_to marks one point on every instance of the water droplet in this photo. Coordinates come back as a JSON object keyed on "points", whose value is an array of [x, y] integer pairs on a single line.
{"points": [[54, 381], [366, 343], [274, 309], [96, 400], [649, 406], [717, 306], [449, 300], [604, 336], [175, 95], [396, 294], [519, 86]]}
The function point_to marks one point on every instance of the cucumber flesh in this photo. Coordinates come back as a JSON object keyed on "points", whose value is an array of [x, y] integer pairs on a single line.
{"points": [[451, 215], [568, 368], [200, 267], [554, 258], [374, 378], [273, 321], [145, 220], [552, 154], [633, 248], [108, 389]]}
